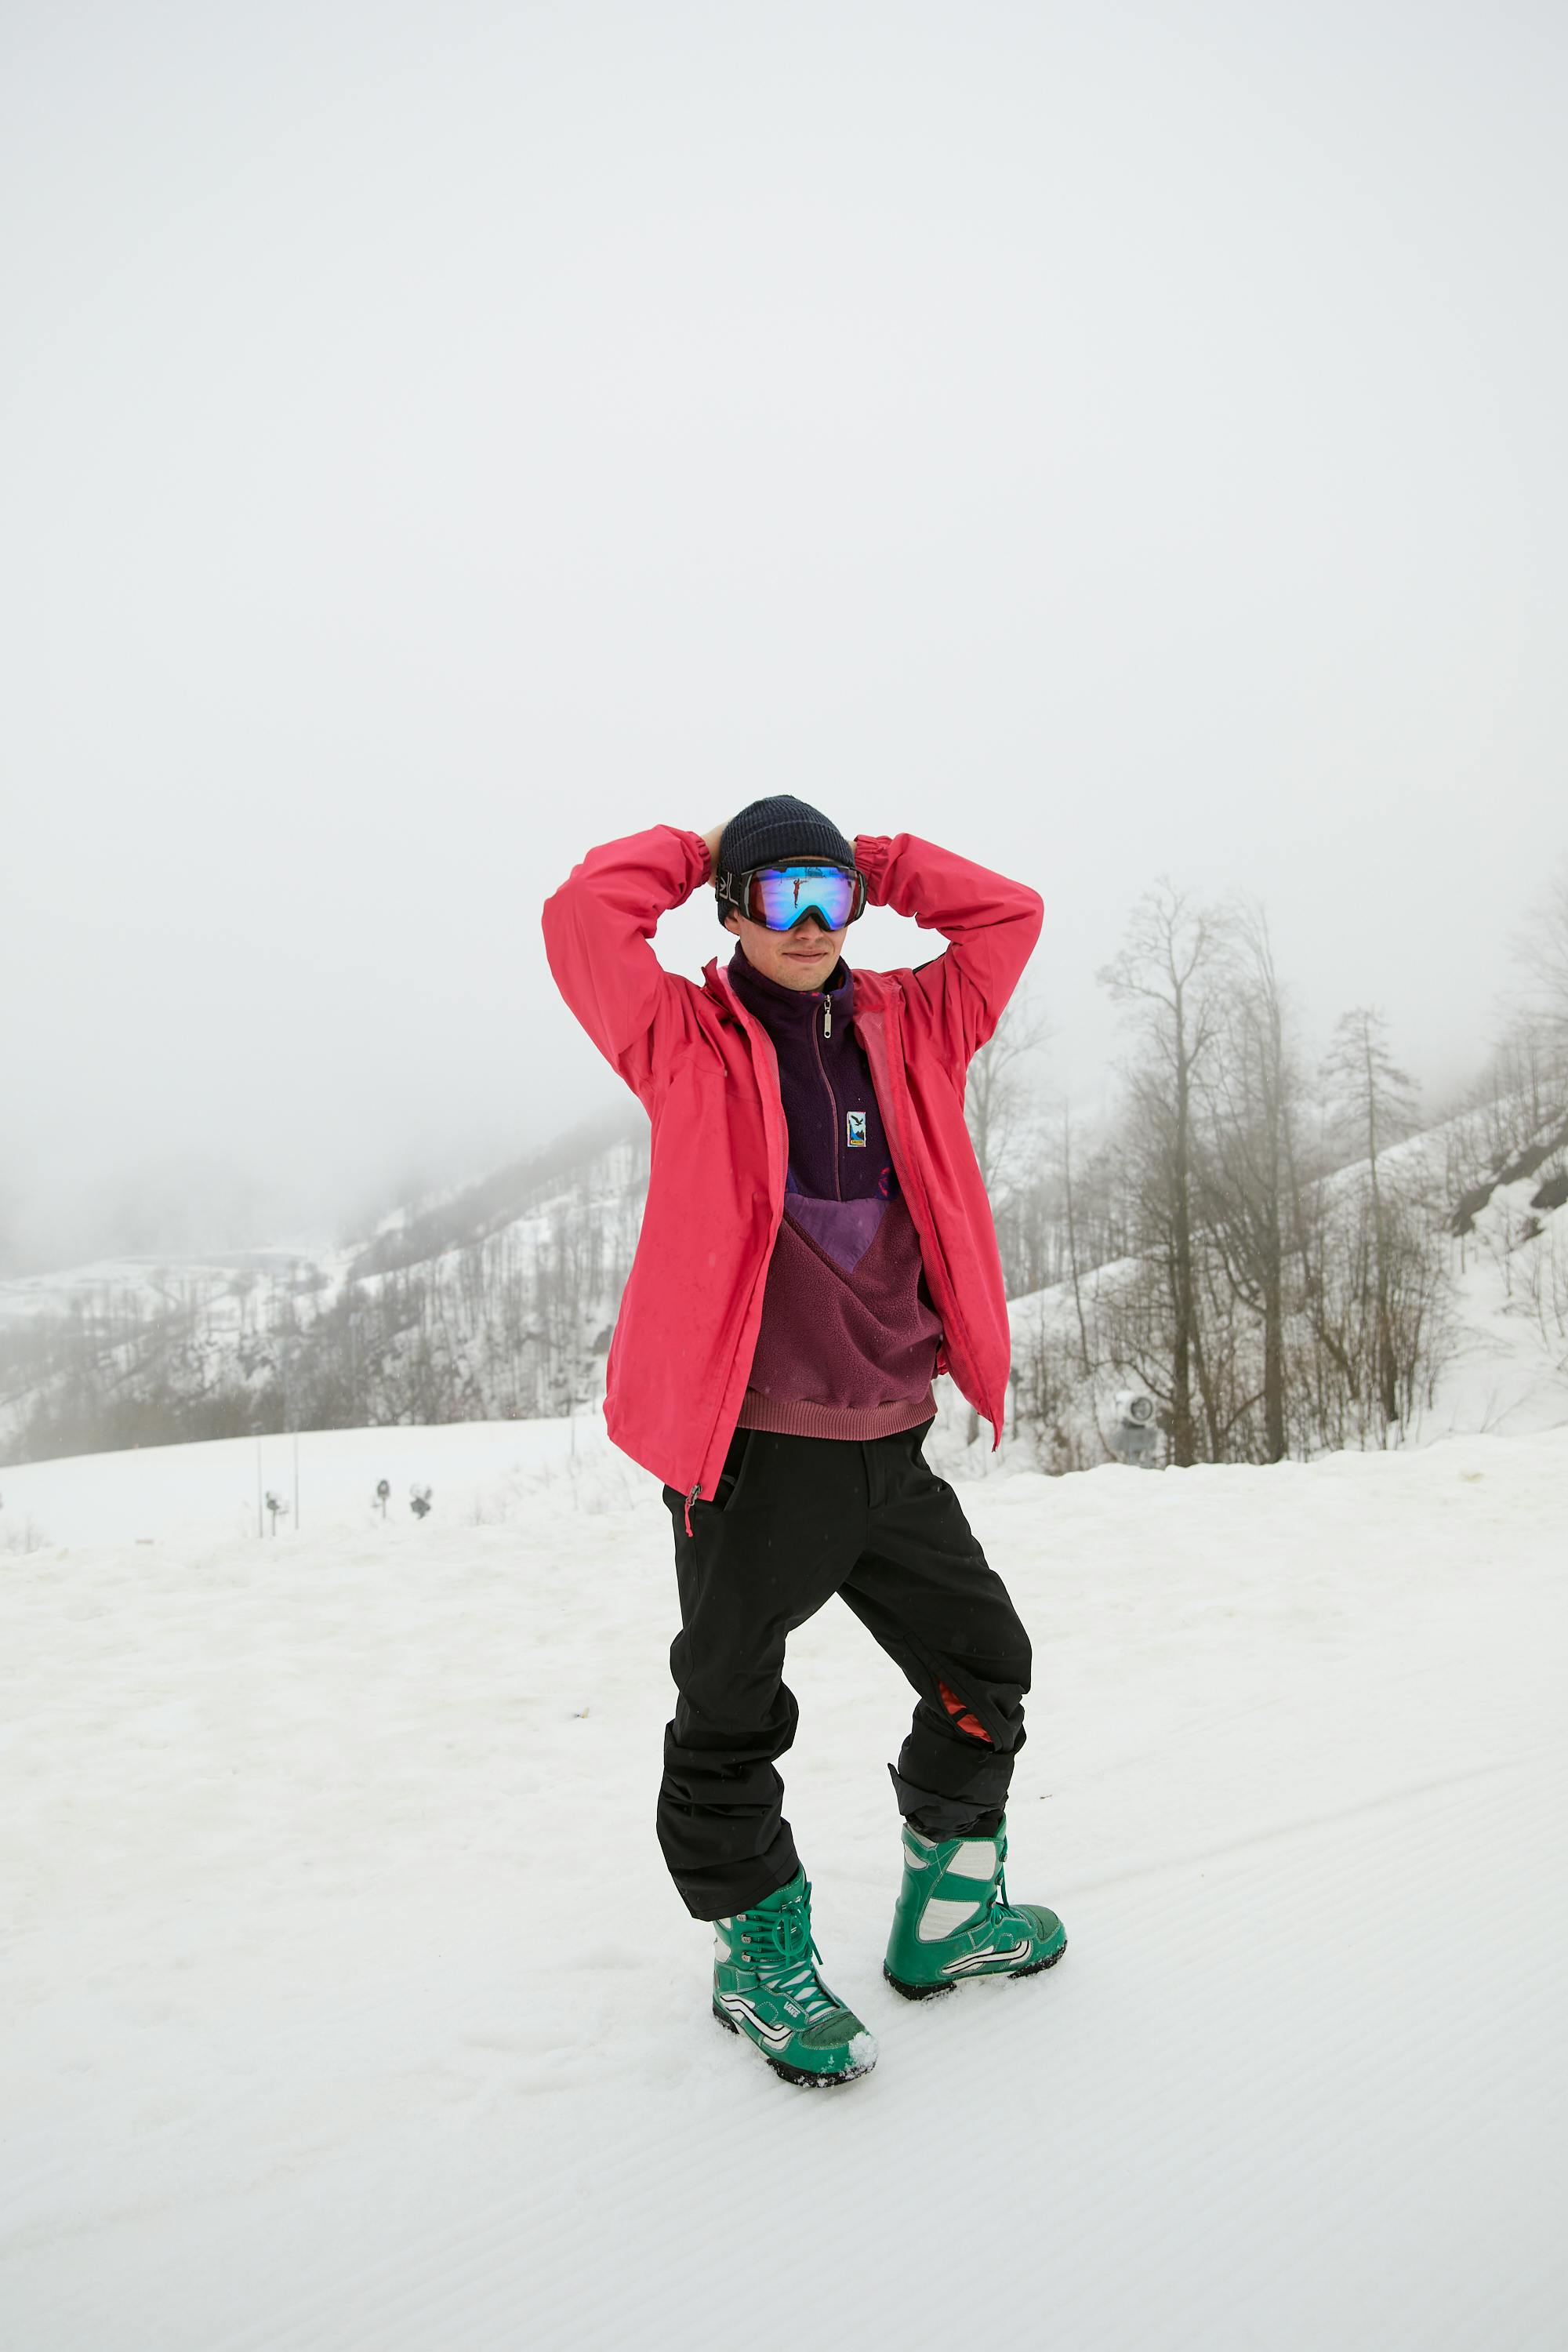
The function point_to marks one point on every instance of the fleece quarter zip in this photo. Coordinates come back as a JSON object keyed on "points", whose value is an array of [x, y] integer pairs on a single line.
{"points": [[848, 1339]]}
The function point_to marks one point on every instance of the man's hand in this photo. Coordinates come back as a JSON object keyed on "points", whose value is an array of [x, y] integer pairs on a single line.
{"points": [[712, 837]]}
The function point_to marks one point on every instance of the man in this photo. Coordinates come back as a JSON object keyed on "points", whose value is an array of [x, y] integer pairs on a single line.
{"points": [[816, 1245]]}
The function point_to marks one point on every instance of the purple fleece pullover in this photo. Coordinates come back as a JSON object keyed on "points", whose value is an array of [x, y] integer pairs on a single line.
{"points": [[848, 1337]]}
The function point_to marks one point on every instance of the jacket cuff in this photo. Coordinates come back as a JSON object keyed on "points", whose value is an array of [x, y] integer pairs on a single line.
{"points": [[699, 866], [872, 851]]}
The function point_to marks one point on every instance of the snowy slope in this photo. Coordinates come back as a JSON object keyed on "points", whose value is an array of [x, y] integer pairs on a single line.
{"points": [[1509, 1369], [493, 1300], [346, 2005], [1505, 1367]]}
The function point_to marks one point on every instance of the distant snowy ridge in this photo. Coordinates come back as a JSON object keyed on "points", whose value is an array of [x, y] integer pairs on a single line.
{"points": [[494, 1301]]}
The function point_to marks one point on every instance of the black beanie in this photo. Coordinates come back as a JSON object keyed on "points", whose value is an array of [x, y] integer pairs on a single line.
{"points": [[768, 832]]}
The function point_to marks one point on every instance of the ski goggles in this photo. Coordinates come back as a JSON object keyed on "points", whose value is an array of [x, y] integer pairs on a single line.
{"points": [[780, 897]]}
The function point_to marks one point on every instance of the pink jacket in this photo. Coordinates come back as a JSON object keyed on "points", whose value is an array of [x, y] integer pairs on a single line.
{"points": [[704, 1070]]}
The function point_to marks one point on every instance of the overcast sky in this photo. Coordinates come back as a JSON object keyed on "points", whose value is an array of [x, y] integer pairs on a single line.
{"points": [[1104, 439]]}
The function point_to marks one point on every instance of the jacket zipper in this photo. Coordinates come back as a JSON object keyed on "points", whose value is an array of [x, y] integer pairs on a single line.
{"points": [[832, 1097]]}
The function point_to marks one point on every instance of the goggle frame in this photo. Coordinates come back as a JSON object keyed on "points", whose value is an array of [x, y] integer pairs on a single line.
{"points": [[742, 893]]}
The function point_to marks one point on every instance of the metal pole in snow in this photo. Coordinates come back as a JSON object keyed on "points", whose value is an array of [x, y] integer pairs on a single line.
{"points": [[258, 1485], [296, 1482]]}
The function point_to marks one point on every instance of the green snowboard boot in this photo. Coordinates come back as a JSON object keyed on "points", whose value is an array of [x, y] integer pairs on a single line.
{"points": [[766, 1987], [952, 1920]]}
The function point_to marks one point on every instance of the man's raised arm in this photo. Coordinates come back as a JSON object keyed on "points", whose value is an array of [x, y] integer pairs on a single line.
{"points": [[991, 925], [597, 932]]}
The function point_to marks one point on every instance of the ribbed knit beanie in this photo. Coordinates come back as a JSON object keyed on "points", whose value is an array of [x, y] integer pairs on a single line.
{"points": [[766, 833]]}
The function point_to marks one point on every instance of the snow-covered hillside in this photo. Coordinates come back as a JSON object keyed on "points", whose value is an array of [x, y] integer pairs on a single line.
{"points": [[1501, 1359], [1508, 1371], [346, 2005], [498, 1299], [491, 1301]]}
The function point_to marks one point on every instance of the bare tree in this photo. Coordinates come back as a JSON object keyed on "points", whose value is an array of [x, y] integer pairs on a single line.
{"points": [[1070, 1219], [1167, 980], [1001, 1095], [1252, 1093], [1376, 1104]]}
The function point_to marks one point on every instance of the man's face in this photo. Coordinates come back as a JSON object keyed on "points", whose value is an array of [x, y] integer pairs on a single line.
{"points": [[799, 958]]}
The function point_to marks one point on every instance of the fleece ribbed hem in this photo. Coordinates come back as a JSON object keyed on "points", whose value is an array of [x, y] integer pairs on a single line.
{"points": [[799, 1417]]}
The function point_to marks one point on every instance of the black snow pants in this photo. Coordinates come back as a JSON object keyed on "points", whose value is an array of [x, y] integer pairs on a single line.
{"points": [[795, 1520]]}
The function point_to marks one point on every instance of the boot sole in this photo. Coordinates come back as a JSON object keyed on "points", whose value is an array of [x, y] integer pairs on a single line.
{"points": [[1010, 1976], [795, 2074]]}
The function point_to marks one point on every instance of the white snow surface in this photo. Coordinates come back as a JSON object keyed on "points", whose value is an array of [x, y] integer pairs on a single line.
{"points": [[346, 2003]]}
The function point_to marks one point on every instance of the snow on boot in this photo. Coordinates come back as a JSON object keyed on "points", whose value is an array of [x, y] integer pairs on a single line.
{"points": [[766, 1987], [952, 1920]]}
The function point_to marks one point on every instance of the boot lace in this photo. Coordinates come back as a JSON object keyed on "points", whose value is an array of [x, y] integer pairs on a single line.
{"points": [[780, 1946], [997, 1899]]}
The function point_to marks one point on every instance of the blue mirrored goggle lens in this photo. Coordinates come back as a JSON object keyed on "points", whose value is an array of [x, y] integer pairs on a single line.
{"points": [[781, 896]]}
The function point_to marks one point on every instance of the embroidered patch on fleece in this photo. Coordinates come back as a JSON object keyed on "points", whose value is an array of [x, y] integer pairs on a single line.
{"points": [[855, 1124]]}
